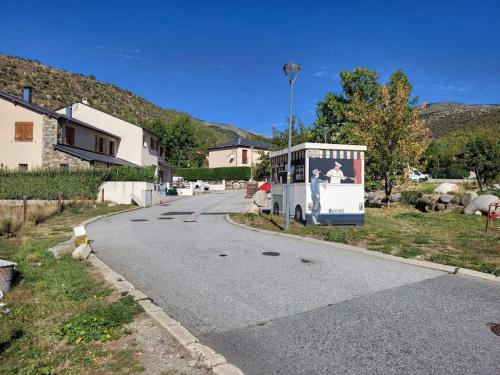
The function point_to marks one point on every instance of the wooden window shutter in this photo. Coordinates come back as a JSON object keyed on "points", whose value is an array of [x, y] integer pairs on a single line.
{"points": [[28, 131], [24, 131], [19, 131], [96, 144]]}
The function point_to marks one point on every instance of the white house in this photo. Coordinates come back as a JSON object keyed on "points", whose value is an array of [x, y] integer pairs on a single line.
{"points": [[137, 145], [237, 153], [34, 137]]}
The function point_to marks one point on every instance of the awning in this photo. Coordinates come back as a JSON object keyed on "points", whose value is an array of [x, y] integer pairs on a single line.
{"points": [[91, 156]]}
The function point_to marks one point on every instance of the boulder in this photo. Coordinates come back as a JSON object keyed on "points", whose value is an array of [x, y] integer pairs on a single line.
{"points": [[481, 203], [236, 185], [467, 196], [253, 208], [455, 200], [261, 199], [446, 188], [82, 252], [376, 197], [445, 198], [424, 203], [449, 205], [396, 197], [440, 207]]}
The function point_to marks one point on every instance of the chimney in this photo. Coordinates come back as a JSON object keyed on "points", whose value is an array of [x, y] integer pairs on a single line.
{"points": [[69, 111], [27, 94], [85, 101]]}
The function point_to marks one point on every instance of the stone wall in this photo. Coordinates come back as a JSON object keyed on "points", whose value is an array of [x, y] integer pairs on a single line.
{"points": [[53, 158]]}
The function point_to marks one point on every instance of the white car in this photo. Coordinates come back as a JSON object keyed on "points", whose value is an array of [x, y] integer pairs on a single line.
{"points": [[417, 176]]}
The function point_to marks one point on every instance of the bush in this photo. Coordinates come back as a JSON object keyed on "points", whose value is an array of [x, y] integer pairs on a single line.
{"points": [[72, 184], [215, 174], [410, 197]]}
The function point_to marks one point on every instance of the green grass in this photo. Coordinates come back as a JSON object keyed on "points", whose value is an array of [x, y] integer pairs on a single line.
{"points": [[446, 237], [61, 314]]}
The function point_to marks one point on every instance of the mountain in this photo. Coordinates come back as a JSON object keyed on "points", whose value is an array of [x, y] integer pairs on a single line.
{"points": [[443, 118], [54, 88]]}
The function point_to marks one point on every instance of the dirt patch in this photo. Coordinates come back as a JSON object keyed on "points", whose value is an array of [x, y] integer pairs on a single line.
{"points": [[154, 349]]}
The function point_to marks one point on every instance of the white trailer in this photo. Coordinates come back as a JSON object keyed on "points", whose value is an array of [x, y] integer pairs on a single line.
{"points": [[333, 194]]}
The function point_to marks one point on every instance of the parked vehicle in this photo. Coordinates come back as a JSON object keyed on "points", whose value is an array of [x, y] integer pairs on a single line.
{"points": [[327, 183], [178, 182], [417, 176]]}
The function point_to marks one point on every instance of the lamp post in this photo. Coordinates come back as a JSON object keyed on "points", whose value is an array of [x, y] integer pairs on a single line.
{"points": [[291, 70]]}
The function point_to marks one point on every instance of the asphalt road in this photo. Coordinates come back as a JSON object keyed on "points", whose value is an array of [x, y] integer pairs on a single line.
{"points": [[311, 310]]}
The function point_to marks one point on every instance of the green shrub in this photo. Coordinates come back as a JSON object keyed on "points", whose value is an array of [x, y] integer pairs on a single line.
{"points": [[6, 227], [215, 174], [410, 197], [72, 184]]}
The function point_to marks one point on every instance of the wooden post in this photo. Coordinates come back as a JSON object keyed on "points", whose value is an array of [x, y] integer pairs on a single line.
{"points": [[59, 201], [102, 195], [25, 208]]}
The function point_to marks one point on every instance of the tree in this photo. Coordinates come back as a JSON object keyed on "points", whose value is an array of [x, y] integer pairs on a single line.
{"points": [[391, 129], [482, 155], [180, 138], [262, 168], [300, 134], [331, 122]]}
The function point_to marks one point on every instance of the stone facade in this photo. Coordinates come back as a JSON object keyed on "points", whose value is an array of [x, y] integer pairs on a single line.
{"points": [[53, 158]]}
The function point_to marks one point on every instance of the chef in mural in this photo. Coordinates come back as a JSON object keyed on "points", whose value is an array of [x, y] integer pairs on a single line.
{"points": [[315, 195], [336, 175]]}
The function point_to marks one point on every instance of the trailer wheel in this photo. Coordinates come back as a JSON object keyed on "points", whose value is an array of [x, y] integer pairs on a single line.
{"points": [[298, 214], [276, 209]]}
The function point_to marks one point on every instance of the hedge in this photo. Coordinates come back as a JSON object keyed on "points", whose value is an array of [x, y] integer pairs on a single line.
{"points": [[214, 174], [72, 184]]}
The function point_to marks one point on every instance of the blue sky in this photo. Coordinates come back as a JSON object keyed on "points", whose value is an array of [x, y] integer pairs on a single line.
{"points": [[222, 60]]}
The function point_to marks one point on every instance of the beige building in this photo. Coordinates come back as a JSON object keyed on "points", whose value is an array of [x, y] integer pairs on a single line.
{"points": [[35, 137], [237, 153], [137, 145]]}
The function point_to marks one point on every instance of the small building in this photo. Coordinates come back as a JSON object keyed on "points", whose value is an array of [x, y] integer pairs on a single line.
{"points": [[35, 137], [237, 153], [137, 145], [326, 182]]}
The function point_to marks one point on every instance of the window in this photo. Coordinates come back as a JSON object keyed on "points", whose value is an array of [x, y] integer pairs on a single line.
{"points": [[162, 150], [70, 135], [152, 144], [144, 142], [111, 148], [63, 167], [244, 157], [23, 167], [101, 145], [24, 132]]}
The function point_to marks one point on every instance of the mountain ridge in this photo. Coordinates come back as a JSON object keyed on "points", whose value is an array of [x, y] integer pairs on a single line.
{"points": [[54, 88]]}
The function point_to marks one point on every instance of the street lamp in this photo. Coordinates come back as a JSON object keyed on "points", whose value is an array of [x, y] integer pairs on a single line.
{"points": [[291, 70]]}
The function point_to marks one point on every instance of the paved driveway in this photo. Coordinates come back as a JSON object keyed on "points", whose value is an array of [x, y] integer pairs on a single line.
{"points": [[311, 310]]}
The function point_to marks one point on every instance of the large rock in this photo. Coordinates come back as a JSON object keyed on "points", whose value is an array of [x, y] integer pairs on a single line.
{"points": [[445, 198], [446, 188], [424, 203], [467, 197], [396, 197], [376, 196], [261, 199], [440, 207], [481, 203]]}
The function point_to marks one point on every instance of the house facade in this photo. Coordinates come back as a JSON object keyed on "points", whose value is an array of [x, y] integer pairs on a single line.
{"points": [[238, 153], [35, 137], [137, 145]]}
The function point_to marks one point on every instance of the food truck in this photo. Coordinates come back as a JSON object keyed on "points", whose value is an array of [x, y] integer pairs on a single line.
{"points": [[326, 186]]}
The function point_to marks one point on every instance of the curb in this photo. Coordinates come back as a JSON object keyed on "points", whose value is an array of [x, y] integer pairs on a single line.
{"points": [[204, 355], [419, 263]]}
